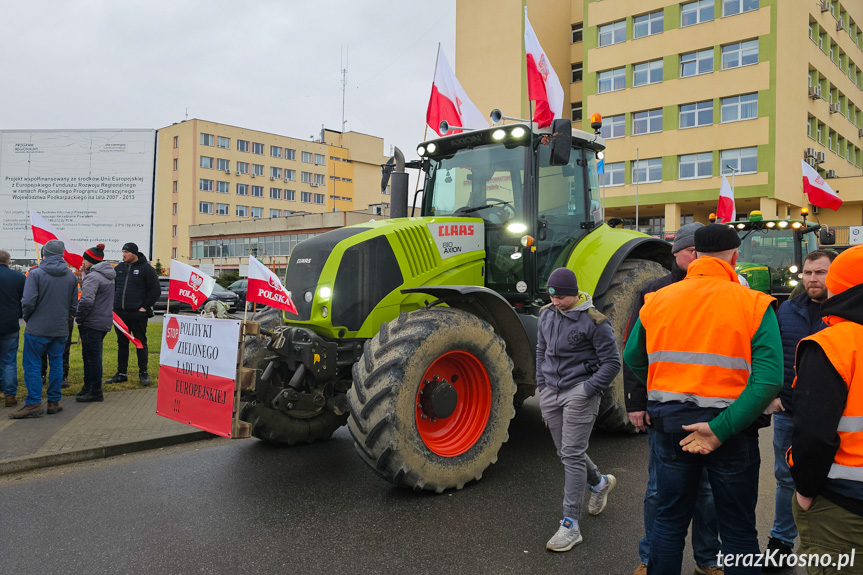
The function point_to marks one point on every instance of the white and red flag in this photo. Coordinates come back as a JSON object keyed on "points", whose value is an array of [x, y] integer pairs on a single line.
{"points": [[449, 101], [264, 287], [725, 211], [124, 329], [44, 232], [543, 86], [820, 193], [189, 284]]}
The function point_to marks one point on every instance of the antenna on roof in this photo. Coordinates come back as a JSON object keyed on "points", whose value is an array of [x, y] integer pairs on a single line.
{"points": [[187, 114], [344, 84]]}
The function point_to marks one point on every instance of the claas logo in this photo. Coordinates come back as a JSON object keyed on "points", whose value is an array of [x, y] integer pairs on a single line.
{"points": [[195, 281]]}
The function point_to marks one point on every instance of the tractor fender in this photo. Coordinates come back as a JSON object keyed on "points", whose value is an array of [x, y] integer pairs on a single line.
{"points": [[646, 248], [493, 308]]}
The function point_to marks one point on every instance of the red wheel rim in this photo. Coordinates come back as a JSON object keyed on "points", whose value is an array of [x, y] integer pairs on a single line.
{"points": [[459, 432]]}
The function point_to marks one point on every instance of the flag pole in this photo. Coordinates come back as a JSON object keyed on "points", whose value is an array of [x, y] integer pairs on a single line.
{"points": [[425, 131]]}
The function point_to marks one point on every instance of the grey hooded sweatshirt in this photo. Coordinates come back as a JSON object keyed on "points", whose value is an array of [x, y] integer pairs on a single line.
{"points": [[576, 346], [49, 300], [96, 306]]}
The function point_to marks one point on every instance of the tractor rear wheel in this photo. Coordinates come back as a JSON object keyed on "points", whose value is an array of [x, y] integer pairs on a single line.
{"points": [[628, 280], [432, 399]]}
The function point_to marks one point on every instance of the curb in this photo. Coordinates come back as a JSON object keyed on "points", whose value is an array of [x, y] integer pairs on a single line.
{"points": [[29, 463]]}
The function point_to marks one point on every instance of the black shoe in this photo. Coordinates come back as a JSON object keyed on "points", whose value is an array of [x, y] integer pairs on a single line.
{"points": [[84, 391], [144, 378], [94, 396], [65, 384], [778, 552], [118, 378]]}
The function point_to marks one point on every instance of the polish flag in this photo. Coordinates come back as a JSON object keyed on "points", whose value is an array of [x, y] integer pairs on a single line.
{"points": [[189, 284], [121, 325], [543, 85], [819, 192], [264, 287], [725, 211], [449, 102], [44, 232]]}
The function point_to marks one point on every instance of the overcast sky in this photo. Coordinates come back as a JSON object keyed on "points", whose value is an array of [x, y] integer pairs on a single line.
{"points": [[269, 65]]}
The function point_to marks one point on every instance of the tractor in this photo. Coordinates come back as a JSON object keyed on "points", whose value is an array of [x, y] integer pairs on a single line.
{"points": [[772, 251], [419, 332]]}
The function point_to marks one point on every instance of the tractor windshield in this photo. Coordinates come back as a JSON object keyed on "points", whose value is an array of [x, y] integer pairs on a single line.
{"points": [[772, 248]]}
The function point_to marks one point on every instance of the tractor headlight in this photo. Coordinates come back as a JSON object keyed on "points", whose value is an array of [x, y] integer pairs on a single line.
{"points": [[741, 226], [324, 311], [783, 224], [516, 228], [308, 297], [518, 132], [432, 147], [793, 269], [498, 135], [325, 292], [792, 283], [421, 151]]}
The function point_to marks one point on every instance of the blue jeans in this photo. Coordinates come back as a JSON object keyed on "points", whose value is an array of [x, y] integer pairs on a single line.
{"points": [[733, 473], [9, 363], [784, 528], [34, 347], [705, 532], [91, 353]]}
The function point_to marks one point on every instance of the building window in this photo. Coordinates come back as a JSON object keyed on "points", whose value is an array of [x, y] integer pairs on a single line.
{"points": [[306, 177], [223, 165], [258, 169], [223, 187], [275, 151], [647, 171], [205, 207], [612, 80], [207, 162], [176, 164], [818, 132], [174, 253], [175, 208], [613, 127], [648, 24], [320, 160], [243, 167], [257, 212], [290, 175], [821, 41], [696, 13], [242, 145], [738, 108], [206, 139], [223, 142], [732, 7], [647, 73], [613, 33], [242, 211], [319, 199], [695, 63], [576, 112], [176, 187], [811, 32], [222, 209], [275, 193], [697, 114], [744, 160], [307, 157], [306, 197], [257, 148], [176, 142], [320, 179], [275, 172], [740, 54], [275, 213], [695, 166], [290, 154], [206, 185], [174, 231], [290, 195], [257, 191], [614, 174], [242, 190], [577, 33], [647, 122], [577, 72]]}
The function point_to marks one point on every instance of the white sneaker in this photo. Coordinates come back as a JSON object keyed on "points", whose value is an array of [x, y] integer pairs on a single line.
{"points": [[565, 539], [599, 499]]}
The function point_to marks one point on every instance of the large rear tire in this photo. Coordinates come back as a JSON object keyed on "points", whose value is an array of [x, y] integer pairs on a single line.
{"points": [[627, 282], [396, 427]]}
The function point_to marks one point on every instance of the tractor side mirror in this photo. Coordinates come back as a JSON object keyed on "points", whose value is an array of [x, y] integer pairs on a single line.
{"points": [[561, 142], [827, 236]]}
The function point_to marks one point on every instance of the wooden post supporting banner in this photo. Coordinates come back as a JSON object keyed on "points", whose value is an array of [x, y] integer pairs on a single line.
{"points": [[245, 380]]}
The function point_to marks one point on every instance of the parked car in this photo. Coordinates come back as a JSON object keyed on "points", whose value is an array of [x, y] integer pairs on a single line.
{"points": [[240, 287], [224, 295], [219, 294]]}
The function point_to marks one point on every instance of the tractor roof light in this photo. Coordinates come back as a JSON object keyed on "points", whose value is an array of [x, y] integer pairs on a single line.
{"points": [[741, 226], [518, 132], [421, 151], [498, 135], [771, 224], [431, 147], [792, 269], [796, 225], [596, 122], [755, 216], [793, 283], [804, 212], [783, 224]]}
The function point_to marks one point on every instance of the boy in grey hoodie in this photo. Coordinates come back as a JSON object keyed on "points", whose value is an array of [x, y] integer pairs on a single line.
{"points": [[576, 360], [95, 318]]}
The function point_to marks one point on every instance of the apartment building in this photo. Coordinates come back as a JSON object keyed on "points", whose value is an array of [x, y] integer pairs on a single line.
{"points": [[208, 172], [691, 91]]}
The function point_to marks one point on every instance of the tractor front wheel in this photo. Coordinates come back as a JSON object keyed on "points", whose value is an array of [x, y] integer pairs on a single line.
{"points": [[432, 399]]}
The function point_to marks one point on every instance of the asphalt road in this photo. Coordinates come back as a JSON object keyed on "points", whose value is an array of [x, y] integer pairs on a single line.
{"points": [[241, 506]]}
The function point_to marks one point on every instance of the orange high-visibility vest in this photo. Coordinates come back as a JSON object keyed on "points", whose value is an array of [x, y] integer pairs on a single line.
{"points": [[699, 335], [842, 342]]}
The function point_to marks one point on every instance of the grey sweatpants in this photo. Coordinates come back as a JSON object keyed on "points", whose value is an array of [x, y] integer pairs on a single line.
{"points": [[569, 416]]}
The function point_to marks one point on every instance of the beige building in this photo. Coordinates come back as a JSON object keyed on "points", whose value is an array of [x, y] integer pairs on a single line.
{"points": [[691, 91], [211, 173]]}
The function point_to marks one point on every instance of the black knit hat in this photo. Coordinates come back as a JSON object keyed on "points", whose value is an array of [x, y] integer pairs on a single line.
{"points": [[131, 247], [714, 238], [95, 255], [562, 281]]}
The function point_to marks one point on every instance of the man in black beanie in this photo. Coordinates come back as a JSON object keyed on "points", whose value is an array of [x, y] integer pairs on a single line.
{"points": [[136, 289]]}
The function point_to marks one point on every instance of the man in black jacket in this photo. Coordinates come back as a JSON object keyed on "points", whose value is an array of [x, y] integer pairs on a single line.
{"points": [[136, 289], [11, 290], [705, 539]]}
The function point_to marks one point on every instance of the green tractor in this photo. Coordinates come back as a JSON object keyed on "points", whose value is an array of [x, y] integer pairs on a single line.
{"points": [[419, 333], [772, 251]]}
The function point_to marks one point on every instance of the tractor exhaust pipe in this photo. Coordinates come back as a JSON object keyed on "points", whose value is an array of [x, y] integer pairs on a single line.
{"points": [[398, 186]]}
